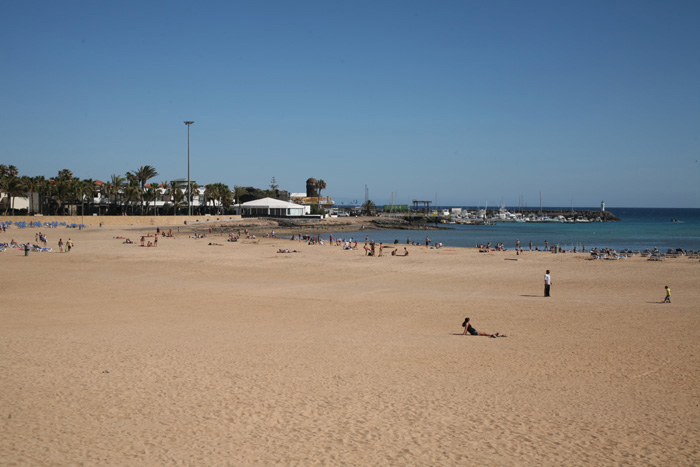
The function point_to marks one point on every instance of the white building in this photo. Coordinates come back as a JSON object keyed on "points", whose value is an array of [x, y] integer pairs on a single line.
{"points": [[269, 207]]}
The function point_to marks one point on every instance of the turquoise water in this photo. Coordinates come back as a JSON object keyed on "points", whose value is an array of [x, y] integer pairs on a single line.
{"points": [[638, 228]]}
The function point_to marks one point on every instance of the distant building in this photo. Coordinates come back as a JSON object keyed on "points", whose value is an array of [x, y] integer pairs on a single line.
{"points": [[270, 207], [311, 196]]}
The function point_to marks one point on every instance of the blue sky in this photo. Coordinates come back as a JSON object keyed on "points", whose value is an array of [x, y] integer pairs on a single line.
{"points": [[469, 102]]}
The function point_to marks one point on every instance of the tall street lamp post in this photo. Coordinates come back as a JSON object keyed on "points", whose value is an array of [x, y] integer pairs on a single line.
{"points": [[189, 185]]}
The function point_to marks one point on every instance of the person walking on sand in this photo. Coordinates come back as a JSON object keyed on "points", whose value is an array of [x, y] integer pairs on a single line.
{"points": [[69, 245], [468, 329], [547, 283], [668, 295], [60, 245]]}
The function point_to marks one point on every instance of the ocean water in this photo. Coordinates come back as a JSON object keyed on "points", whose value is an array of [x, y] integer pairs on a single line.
{"points": [[638, 228]]}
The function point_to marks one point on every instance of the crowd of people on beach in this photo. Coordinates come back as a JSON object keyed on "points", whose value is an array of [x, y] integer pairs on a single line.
{"points": [[371, 248]]}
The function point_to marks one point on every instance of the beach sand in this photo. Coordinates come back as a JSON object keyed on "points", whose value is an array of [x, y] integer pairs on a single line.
{"points": [[191, 354]]}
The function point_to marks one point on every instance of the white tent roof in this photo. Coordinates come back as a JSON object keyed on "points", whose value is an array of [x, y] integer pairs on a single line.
{"points": [[270, 203]]}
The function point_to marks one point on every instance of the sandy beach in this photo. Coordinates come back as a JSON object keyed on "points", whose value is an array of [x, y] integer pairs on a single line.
{"points": [[198, 354]]}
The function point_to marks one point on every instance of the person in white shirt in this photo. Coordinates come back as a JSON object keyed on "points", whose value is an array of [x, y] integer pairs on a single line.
{"points": [[547, 283]]}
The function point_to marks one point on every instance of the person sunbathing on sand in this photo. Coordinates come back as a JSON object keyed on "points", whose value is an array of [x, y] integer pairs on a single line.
{"points": [[469, 329]]}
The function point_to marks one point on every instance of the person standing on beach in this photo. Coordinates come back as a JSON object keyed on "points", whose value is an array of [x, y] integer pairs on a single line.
{"points": [[69, 245], [60, 245], [530, 245], [668, 295], [427, 241], [547, 283]]}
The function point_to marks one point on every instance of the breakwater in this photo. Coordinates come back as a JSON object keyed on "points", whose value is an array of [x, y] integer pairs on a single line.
{"points": [[605, 216]]}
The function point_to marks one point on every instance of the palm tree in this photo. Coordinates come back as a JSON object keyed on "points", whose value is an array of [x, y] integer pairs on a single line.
{"points": [[369, 208], [12, 171], [194, 188], [209, 194], [220, 193], [151, 194], [44, 190], [239, 191], [117, 182], [178, 199], [61, 188], [225, 195], [9, 183], [132, 193], [166, 189], [14, 188], [109, 191], [84, 191], [89, 189], [34, 185], [65, 174], [142, 176], [75, 193], [321, 185], [3, 180]]}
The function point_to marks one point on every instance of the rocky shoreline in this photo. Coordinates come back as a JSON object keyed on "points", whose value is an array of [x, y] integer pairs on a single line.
{"points": [[310, 226]]}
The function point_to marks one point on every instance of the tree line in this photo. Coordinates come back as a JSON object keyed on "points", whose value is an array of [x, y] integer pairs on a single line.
{"points": [[121, 194]]}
